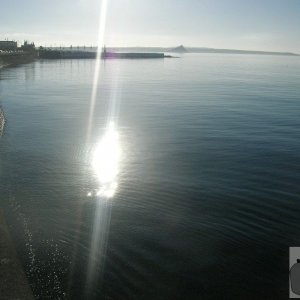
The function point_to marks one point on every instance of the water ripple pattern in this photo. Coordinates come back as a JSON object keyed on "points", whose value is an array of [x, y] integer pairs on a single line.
{"points": [[194, 188]]}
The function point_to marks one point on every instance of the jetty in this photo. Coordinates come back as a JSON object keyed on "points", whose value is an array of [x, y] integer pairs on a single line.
{"points": [[130, 55], [79, 54], [113, 55]]}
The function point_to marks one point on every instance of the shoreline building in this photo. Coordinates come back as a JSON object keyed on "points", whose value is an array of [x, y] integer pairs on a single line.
{"points": [[8, 45]]}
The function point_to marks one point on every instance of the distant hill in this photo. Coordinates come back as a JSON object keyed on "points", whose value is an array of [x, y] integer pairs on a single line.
{"points": [[179, 49]]}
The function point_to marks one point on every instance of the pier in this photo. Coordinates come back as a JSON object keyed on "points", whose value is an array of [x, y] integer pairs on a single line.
{"points": [[73, 54], [131, 55]]}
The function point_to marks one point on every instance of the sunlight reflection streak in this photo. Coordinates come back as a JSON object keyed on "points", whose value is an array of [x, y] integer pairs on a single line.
{"points": [[98, 239], [100, 43], [105, 162]]}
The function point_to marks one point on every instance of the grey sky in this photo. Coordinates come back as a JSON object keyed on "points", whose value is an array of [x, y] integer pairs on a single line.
{"points": [[254, 25]]}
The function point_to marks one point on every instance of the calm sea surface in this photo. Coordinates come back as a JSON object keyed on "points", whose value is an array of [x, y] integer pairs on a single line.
{"points": [[180, 179]]}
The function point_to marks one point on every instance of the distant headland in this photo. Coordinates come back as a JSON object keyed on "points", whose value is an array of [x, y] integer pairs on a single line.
{"points": [[143, 52], [182, 49], [11, 54]]}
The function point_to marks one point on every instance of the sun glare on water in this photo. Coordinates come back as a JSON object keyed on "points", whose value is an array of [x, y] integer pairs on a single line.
{"points": [[105, 162]]}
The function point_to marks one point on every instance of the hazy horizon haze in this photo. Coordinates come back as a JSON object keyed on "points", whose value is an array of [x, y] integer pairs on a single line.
{"points": [[257, 25]]}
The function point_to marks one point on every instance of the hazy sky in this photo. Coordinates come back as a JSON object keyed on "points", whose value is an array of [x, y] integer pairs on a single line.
{"points": [[239, 24]]}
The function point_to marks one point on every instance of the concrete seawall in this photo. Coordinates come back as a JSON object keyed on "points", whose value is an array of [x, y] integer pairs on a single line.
{"points": [[59, 54], [13, 282], [15, 58]]}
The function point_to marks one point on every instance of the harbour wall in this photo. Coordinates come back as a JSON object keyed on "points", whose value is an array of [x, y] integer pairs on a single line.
{"points": [[15, 58], [57, 54], [62, 54], [132, 55]]}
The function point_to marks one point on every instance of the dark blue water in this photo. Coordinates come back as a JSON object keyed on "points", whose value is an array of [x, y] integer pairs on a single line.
{"points": [[205, 199]]}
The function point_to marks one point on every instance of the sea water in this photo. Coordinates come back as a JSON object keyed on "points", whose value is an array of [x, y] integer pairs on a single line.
{"points": [[160, 179]]}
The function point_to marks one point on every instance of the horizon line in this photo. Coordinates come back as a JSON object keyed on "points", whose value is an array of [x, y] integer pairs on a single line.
{"points": [[174, 47]]}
